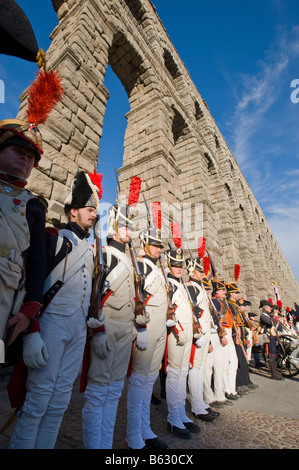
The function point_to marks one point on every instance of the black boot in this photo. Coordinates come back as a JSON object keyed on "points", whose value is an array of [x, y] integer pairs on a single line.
{"points": [[273, 368], [162, 376]]}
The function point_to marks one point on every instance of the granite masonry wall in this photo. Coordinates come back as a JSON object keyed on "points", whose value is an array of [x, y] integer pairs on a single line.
{"points": [[172, 142]]}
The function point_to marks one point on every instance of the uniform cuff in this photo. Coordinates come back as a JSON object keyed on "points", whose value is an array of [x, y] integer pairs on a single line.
{"points": [[31, 309], [33, 327], [100, 329], [141, 327]]}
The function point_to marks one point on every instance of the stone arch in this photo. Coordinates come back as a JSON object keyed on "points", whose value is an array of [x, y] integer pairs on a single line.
{"points": [[126, 63], [170, 64], [179, 125], [198, 112], [170, 130], [136, 8]]}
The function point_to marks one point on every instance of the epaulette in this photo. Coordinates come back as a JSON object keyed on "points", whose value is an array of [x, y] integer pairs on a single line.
{"points": [[51, 231], [43, 202]]}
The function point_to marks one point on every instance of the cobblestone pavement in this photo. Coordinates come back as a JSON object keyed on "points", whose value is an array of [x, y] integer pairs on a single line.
{"points": [[239, 426]]}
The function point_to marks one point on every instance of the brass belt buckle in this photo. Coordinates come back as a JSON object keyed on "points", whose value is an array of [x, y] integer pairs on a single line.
{"points": [[4, 252]]}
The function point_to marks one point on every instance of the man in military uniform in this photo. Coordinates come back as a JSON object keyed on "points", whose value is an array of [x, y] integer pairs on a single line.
{"points": [[145, 365], [243, 381], [22, 249], [199, 351], [269, 327], [107, 372], [179, 344], [249, 328], [53, 348], [256, 345], [214, 367], [229, 350], [22, 246]]}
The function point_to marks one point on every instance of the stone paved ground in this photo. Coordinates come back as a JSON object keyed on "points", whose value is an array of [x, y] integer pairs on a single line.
{"points": [[235, 428]]}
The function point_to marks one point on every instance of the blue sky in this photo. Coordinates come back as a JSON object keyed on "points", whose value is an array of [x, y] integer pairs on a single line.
{"points": [[243, 58]]}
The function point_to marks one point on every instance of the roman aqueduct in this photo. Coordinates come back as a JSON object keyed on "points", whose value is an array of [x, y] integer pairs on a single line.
{"points": [[172, 142]]}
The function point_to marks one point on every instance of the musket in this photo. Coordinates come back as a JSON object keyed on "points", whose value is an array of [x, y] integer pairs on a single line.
{"points": [[239, 339], [249, 324], [100, 268], [139, 299], [228, 308], [213, 306], [9, 331], [197, 330], [235, 328], [170, 315], [140, 311], [221, 331]]}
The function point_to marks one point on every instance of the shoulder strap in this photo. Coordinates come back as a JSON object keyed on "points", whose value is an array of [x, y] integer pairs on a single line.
{"points": [[72, 263], [155, 271], [121, 267]]}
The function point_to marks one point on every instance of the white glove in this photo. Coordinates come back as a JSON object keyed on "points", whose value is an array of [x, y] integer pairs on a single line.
{"points": [[170, 323], [96, 322], [35, 353], [142, 319], [199, 342], [142, 339], [213, 330], [100, 344], [181, 338]]}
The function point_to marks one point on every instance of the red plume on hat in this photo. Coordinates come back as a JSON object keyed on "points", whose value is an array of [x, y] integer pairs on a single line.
{"points": [[237, 272], [271, 301], [96, 178], [206, 265], [279, 304], [157, 214], [176, 234], [201, 247], [135, 187], [44, 93]]}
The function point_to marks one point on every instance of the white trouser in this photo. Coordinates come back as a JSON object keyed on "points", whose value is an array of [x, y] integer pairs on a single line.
{"points": [[99, 414], [230, 364], [136, 386], [249, 349], [195, 383], [139, 396], [214, 371], [147, 432], [49, 389], [176, 385]]}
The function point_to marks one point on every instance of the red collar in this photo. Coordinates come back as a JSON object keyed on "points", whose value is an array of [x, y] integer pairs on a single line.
{"points": [[13, 180]]}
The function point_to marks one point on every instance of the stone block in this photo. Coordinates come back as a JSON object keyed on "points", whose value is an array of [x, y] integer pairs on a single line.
{"points": [[60, 192], [40, 184], [66, 163], [59, 174]]}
